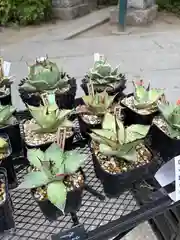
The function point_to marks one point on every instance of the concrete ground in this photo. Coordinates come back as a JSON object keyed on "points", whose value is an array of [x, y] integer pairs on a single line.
{"points": [[153, 54]]}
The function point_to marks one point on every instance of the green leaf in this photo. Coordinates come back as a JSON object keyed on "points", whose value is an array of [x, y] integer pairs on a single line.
{"points": [[135, 132], [62, 114], [6, 113], [155, 94], [105, 136], [57, 194], [66, 124], [73, 160], [34, 156], [55, 154], [166, 110], [120, 131], [109, 100], [87, 99], [107, 150], [130, 156], [109, 122], [34, 180]]}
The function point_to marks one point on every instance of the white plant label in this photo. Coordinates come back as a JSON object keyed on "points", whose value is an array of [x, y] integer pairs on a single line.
{"points": [[96, 57], [177, 177], [6, 68]]}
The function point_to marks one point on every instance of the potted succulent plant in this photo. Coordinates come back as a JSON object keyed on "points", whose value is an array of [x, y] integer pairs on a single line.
{"points": [[92, 112], [5, 84], [40, 131], [6, 208], [57, 179], [165, 130], [141, 106], [10, 126], [119, 154], [104, 77], [6, 160], [45, 77]]}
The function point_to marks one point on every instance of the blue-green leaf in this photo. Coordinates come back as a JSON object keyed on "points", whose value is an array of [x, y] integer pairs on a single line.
{"points": [[35, 156], [73, 160]]}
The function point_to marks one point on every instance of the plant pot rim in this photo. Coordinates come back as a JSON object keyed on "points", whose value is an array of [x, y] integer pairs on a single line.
{"points": [[124, 105], [71, 191], [122, 173]]}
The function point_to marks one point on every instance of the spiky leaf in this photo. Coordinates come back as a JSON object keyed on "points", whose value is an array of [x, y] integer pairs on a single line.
{"points": [[109, 122], [34, 180], [135, 132], [55, 154], [73, 160], [120, 131], [57, 193], [105, 136], [34, 156], [6, 113], [166, 110]]}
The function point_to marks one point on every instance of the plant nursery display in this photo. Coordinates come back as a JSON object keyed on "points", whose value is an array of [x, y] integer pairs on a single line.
{"points": [[45, 77], [57, 177], [5, 84], [42, 128], [71, 154], [141, 106], [104, 77], [6, 217], [118, 150]]}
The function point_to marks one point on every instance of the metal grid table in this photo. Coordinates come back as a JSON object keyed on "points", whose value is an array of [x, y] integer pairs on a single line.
{"points": [[101, 219]]}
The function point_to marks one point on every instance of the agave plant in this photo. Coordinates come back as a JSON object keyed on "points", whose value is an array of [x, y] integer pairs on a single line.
{"points": [[53, 165], [49, 118], [171, 114], [102, 74], [146, 98], [116, 140], [98, 103], [44, 76], [6, 112], [5, 80], [3, 146]]}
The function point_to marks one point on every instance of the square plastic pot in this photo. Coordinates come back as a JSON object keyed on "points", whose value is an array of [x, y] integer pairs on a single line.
{"points": [[73, 204], [158, 141], [6, 208], [118, 90], [64, 100], [132, 117], [7, 163], [115, 184], [6, 99]]}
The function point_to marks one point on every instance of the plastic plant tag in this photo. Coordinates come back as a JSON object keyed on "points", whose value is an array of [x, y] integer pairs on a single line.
{"points": [[96, 57], [75, 233], [51, 98], [177, 177], [6, 68], [169, 173]]}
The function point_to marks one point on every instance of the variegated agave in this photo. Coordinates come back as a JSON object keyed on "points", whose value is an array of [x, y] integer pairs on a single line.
{"points": [[146, 98], [116, 140], [53, 166], [171, 114], [44, 76], [98, 104], [49, 118], [102, 74]]}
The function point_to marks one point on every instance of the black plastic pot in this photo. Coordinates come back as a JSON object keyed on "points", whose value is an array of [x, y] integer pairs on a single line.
{"points": [[13, 131], [132, 117], [85, 128], [6, 208], [7, 163], [64, 100], [118, 90], [115, 184], [73, 204], [160, 142], [5, 99]]}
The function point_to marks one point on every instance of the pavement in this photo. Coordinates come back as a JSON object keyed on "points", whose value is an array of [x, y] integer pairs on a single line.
{"points": [[152, 56]]}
